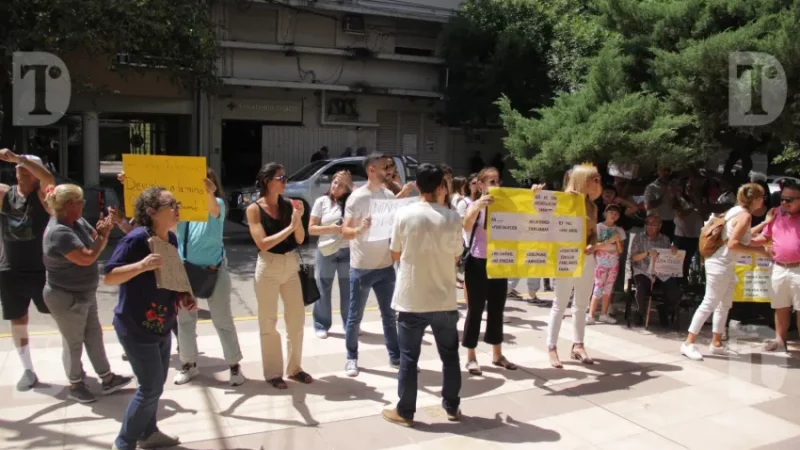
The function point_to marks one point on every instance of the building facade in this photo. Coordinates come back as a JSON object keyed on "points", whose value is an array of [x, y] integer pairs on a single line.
{"points": [[300, 75], [297, 75]]}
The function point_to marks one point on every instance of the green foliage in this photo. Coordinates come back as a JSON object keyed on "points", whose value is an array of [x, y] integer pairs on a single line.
{"points": [[178, 33], [659, 89], [525, 49]]}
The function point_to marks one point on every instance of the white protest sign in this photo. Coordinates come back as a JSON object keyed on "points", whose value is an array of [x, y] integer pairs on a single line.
{"points": [[666, 265], [627, 171], [382, 213]]}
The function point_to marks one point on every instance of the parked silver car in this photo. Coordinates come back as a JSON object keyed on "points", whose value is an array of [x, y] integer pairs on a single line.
{"points": [[313, 180]]}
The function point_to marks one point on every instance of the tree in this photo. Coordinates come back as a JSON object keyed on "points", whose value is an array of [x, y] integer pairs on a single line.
{"points": [[659, 89], [525, 49], [177, 35]]}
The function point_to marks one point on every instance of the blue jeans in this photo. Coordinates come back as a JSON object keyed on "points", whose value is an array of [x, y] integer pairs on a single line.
{"points": [[411, 329], [382, 282], [326, 267], [150, 364]]}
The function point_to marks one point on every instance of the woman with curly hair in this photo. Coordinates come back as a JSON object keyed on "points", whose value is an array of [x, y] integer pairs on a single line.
{"points": [[145, 315]]}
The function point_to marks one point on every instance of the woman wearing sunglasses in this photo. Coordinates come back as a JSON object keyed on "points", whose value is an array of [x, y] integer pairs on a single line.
{"points": [[276, 227], [585, 180], [481, 292], [145, 315]]}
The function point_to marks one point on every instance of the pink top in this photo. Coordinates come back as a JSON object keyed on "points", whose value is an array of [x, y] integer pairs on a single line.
{"points": [[785, 234], [478, 249]]}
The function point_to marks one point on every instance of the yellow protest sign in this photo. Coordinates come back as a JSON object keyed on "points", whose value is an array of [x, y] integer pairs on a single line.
{"points": [[182, 175], [535, 237], [752, 279]]}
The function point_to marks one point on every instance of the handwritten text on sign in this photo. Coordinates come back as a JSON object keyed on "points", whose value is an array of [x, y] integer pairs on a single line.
{"points": [[182, 175], [666, 265], [535, 235], [382, 213], [752, 279]]}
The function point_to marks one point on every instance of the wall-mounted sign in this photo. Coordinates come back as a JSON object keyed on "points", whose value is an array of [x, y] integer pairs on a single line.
{"points": [[343, 109], [263, 110]]}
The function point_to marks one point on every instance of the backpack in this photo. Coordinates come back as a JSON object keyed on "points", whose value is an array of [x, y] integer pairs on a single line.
{"points": [[711, 235]]}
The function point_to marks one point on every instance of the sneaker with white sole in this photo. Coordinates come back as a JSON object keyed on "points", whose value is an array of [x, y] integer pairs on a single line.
{"points": [[590, 319], [81, 394], [116, 383], [722, 350], [321, 334], [159, 440], [188, 371], [237, 378], [605, 318], [351, 368], [690, 351]]}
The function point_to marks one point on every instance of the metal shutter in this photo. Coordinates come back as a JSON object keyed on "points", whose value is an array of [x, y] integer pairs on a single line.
{"points": [[387, 132]]}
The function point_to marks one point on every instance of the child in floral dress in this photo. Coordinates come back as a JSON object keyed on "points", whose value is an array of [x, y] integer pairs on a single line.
{"points": [[610, 239]]}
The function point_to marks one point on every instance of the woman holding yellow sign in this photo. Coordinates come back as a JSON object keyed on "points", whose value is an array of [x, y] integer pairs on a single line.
{"points": [[585, 180], [482, 292]]}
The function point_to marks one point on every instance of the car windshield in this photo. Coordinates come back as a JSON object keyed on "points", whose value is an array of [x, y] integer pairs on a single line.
{"points": [[307, 171]]}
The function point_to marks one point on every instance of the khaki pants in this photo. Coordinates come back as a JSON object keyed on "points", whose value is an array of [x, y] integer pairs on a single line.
{"points": [[277, 274]]}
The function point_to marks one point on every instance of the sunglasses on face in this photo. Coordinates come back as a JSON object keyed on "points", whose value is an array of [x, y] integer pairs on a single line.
{"points": [[281, 178], [789, 199], [493, 182], [172, 205]]}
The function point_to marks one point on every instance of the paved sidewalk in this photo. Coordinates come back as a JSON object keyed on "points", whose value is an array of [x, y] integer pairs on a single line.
{"points": [[641, 394]]}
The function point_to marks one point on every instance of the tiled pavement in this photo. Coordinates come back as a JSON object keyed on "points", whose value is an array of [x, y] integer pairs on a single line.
{"points": [[641, 395]]}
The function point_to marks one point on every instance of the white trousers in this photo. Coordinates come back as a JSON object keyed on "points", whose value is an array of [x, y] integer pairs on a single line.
{"points": [[718, 299], [583, 292]]}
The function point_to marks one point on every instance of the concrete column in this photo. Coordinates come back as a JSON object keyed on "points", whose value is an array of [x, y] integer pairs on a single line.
{"points": [[91, 149]]}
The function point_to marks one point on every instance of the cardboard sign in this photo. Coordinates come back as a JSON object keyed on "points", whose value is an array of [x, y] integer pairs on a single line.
{"points": [[382, 213], [183, 176], [541, 236]]}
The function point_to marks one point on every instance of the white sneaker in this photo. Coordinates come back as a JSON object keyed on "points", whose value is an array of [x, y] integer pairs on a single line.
{"points": [[321, 334], [351, 368], [722, 350], [159, 440], [188, 371], [590, 319], [690, 351], [237, 378], [605, 318]]}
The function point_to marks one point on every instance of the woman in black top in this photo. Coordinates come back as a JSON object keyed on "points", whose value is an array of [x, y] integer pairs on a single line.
{"points": [[277, 229]]}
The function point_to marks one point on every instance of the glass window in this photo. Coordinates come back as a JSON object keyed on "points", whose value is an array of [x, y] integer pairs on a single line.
{"points": [[307, 171], [356, 169]]}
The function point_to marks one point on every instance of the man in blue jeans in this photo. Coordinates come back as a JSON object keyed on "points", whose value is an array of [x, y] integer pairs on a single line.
{"points": [[371, 264], [426, 239]]}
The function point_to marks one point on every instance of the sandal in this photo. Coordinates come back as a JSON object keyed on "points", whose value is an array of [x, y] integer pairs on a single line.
{"points": [[581, 355], [555, 362], [302, 377], [278, 383], [474, 368], [505, 364]]}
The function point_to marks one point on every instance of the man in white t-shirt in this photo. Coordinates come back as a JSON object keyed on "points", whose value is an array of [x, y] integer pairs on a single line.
{"points": [[371, 265], [426, 239]]}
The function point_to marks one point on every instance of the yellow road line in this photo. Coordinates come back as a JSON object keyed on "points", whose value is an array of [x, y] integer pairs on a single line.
{"points": [[236, 319]]}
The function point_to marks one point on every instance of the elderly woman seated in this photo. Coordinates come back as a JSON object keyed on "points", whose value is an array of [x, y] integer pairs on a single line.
{"points": [[644, 248]]}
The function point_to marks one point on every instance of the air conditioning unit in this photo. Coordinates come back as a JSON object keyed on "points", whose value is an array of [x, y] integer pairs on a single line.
{"points": [[353, 24]]}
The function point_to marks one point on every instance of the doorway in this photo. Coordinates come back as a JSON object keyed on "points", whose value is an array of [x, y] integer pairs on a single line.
{"points": [[241, 152]]}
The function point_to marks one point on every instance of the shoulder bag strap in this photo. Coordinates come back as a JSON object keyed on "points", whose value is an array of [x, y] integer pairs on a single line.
{"points": [[474, 229], [186, 242]]}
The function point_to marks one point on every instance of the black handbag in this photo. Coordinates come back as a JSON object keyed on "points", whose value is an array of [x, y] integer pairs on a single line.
{"points": [[462, 260], [202, 279], [308, 282]]}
